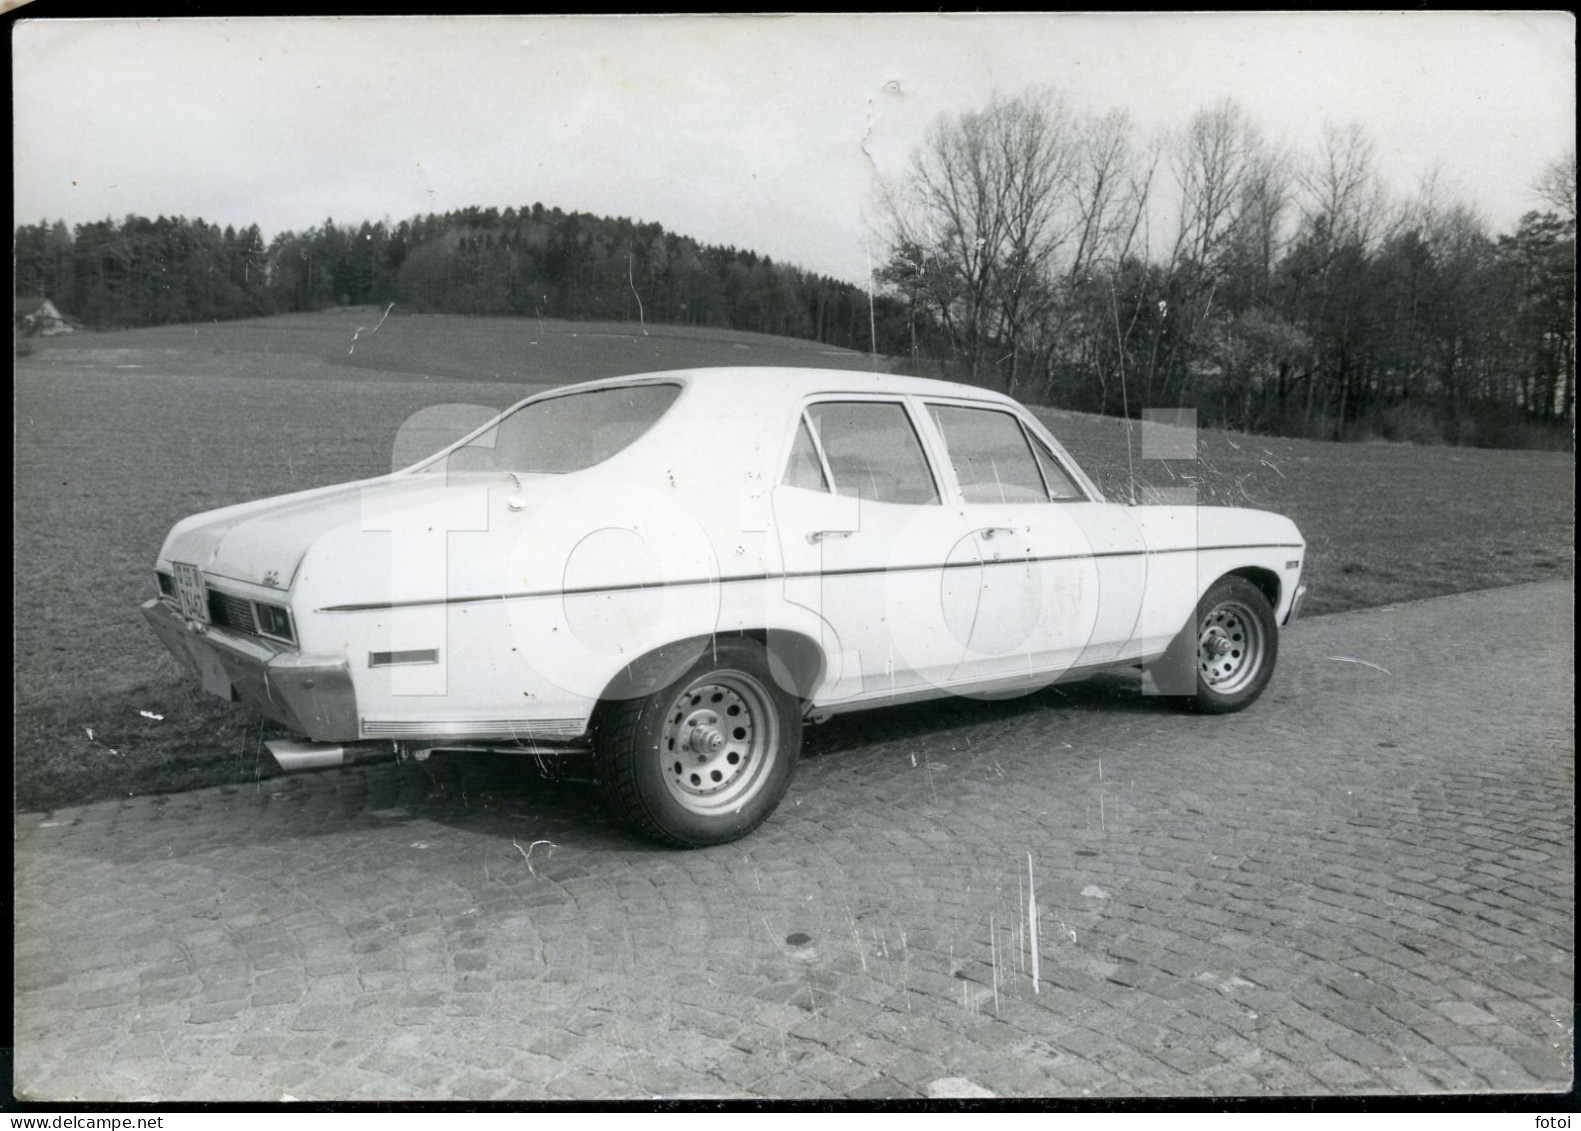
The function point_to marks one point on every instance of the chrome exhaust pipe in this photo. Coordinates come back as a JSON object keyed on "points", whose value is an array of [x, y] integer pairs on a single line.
{"points": [[293, 755]]}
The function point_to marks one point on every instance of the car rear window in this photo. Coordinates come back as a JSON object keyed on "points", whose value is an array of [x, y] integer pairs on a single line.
{"points": [[569, 433]]}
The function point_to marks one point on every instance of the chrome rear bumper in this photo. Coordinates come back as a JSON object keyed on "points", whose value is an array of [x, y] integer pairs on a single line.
{"points": [[312, 695]]}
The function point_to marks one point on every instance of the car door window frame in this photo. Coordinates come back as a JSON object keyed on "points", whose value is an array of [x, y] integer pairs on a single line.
{"points": [[932, 403], [1079, 478], [1086, 492], [805, 425], [909, 410], [1053, 457]]}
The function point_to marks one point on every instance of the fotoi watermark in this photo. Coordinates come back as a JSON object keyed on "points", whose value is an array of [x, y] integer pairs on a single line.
{"points": [[495, 584]]}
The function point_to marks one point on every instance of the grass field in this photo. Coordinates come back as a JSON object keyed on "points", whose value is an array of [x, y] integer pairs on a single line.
{"points": [[120, 435]]}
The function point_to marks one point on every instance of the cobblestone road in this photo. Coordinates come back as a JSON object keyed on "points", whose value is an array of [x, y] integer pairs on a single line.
{"points": [[1363, 885]]}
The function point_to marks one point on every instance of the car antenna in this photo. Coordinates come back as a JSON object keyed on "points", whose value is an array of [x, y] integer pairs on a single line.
{"points": [[1125, 403], [872, 312]]}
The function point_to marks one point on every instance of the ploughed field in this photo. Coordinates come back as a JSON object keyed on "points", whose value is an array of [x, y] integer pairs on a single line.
{"points": [[119, 435]]}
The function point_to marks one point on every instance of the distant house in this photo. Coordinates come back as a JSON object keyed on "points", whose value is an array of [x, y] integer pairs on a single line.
{"points": [[40, 317]]}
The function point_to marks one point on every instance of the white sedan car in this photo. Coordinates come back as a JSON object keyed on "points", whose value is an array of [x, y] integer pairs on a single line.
{"points": [[673, 572]]}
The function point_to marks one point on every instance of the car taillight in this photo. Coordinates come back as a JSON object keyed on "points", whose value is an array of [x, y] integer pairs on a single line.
{"points": [[274, 621]]}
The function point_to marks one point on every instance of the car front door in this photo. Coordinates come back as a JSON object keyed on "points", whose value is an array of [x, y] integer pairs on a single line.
{"points": [[1120, 565], [1055, 566]]}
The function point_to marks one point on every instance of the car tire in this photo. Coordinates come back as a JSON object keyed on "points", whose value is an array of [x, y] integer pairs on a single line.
{"points": [[705, 758], [1231, 647]]}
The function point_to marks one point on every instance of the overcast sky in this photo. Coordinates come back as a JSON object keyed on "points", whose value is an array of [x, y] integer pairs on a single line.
{"points": [[765, 133]]}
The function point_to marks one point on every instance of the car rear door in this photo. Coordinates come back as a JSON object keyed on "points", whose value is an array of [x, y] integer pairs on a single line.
{"points": [[867, 542]]}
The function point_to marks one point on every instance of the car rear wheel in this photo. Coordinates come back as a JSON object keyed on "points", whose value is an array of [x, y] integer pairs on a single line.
{"points": [[707, 757], [1232, 645]]}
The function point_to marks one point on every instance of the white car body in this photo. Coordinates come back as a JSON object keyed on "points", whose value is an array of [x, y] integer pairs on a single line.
{"points": [[439, 607]]}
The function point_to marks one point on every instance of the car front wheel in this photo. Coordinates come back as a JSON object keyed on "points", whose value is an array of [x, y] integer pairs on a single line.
{"points": [[706, 758], [1232, 645]]}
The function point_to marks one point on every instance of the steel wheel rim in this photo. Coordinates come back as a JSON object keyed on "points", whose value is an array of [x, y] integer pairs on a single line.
{"points": [[720, 742], [1230, 647]]}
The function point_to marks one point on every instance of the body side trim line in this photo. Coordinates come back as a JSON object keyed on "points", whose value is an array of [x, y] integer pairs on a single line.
{"points": [[783, 576]]}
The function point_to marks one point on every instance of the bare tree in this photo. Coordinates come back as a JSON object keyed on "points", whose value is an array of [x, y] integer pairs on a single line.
{"points": [[1039, 153], [1024, 235], [1261, 230], [1557, 185], [1111, 191], [1213, 161], [1343, 193], [1109, 194], [1230, 187], [1100, 216], [980, 218]]}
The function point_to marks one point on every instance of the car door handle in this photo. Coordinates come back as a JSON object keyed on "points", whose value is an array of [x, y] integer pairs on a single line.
{"points": [[989, 532], [819, 535]]}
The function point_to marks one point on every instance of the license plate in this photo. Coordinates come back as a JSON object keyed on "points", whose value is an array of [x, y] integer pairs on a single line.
{"points": [[190, 590]]}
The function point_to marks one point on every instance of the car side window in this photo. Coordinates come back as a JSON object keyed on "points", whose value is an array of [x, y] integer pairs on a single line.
{"points": [[989, 451], [805, 469], [873, 451]]}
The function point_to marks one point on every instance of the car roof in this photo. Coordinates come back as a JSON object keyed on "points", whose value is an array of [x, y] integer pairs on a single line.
{"points": [[794, 383], [745, 411]]}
